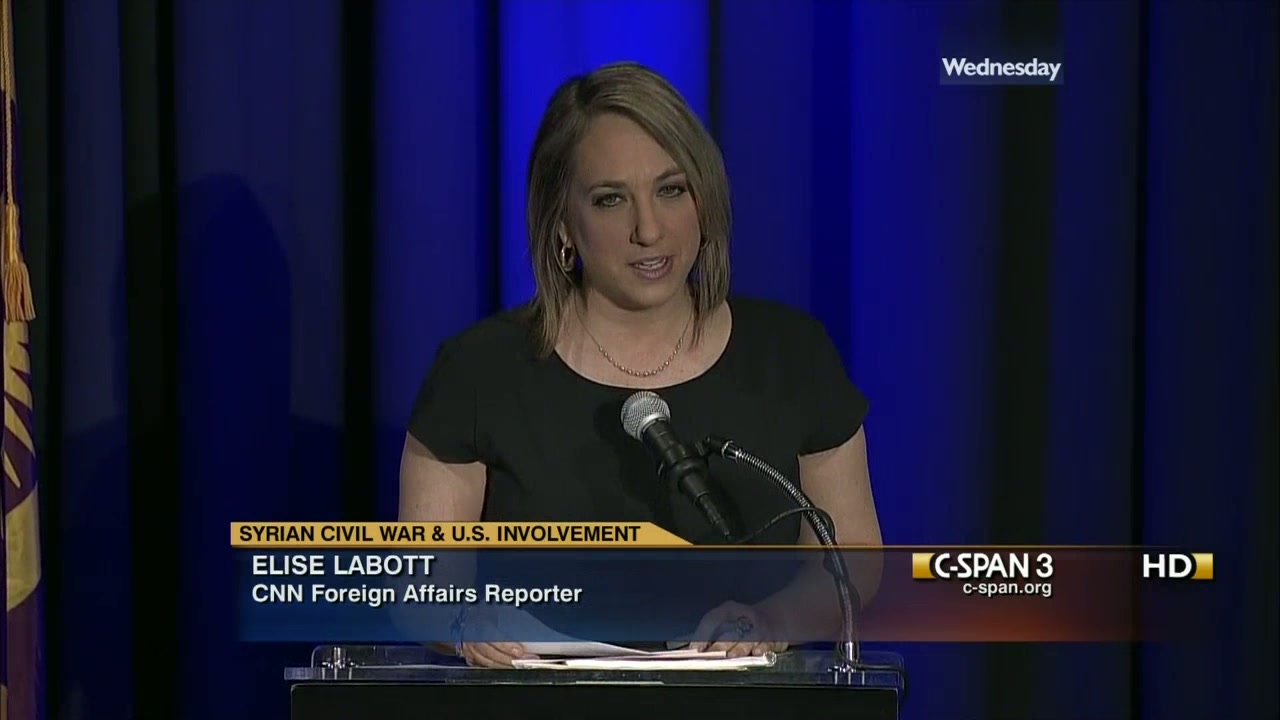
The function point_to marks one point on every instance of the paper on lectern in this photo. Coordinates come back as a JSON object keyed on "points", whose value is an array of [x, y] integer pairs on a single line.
{"points": [[566, 652], [648, 661]]}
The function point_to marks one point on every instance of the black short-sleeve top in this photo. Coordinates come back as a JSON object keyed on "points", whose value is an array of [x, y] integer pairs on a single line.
{"points": [[553, 443]]}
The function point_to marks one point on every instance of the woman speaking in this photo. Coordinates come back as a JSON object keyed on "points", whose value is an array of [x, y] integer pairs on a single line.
{"points": [[519, 418]]}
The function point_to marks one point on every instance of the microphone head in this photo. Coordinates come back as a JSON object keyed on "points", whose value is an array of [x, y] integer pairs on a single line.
{"points": [[641, 410]]}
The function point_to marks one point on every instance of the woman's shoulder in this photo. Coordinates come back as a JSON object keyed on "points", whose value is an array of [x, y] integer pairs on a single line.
{"points": [[794, 347], [471, 369], [756, 316], [500, 337]]}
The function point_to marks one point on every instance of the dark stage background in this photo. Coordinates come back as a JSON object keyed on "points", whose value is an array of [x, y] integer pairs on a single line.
{"points": [[250, 224]]}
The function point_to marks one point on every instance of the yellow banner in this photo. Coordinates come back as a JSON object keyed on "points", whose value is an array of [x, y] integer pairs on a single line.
{"points": [[459, 535]]}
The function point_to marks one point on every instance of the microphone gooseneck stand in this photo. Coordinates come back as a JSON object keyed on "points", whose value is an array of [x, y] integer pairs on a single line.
{"points": [[848, 651]]}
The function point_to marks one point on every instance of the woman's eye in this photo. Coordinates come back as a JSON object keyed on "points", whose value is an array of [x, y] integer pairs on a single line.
{"points": [[610, 200], [671, 191]]}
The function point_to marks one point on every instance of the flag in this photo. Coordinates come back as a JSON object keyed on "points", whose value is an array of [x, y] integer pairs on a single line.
{"points": [[21, 651]]}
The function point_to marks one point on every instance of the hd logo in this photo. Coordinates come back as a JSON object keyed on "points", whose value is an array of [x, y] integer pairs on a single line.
{"points": [[1177, 566]]}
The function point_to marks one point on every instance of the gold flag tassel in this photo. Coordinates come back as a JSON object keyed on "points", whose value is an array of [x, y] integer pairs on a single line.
{"points": [[19, 305]]}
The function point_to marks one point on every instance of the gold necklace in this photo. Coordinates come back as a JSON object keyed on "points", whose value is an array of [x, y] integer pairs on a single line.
{"points": [[627, 370]]}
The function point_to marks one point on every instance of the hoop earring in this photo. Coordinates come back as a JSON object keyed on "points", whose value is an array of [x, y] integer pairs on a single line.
{"points": [[567, 258]]}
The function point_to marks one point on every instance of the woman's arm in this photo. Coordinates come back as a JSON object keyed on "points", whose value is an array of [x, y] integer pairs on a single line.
{"points": [[434, 491], [807, 610], [839, 482]]}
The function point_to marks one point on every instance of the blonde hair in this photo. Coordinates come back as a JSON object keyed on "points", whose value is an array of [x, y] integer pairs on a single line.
{"points": [[646, 98]]}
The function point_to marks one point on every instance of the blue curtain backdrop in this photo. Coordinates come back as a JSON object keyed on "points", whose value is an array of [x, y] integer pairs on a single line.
{"points": [[252, 222]]}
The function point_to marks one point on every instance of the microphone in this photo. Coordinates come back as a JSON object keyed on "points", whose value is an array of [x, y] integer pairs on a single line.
{"points": [[646, 417]]}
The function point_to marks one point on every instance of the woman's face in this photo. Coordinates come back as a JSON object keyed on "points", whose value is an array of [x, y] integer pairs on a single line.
{"points": [[630, 216]]}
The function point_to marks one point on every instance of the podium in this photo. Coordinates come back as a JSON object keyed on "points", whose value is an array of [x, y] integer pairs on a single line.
{"points": [[399, 682]]}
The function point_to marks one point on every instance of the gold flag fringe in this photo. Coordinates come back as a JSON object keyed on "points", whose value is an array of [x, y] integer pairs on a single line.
{"points": [[19, 306]]}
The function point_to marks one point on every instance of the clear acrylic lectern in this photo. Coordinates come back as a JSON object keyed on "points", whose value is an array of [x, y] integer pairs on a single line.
{"points": [[397, 682]]}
